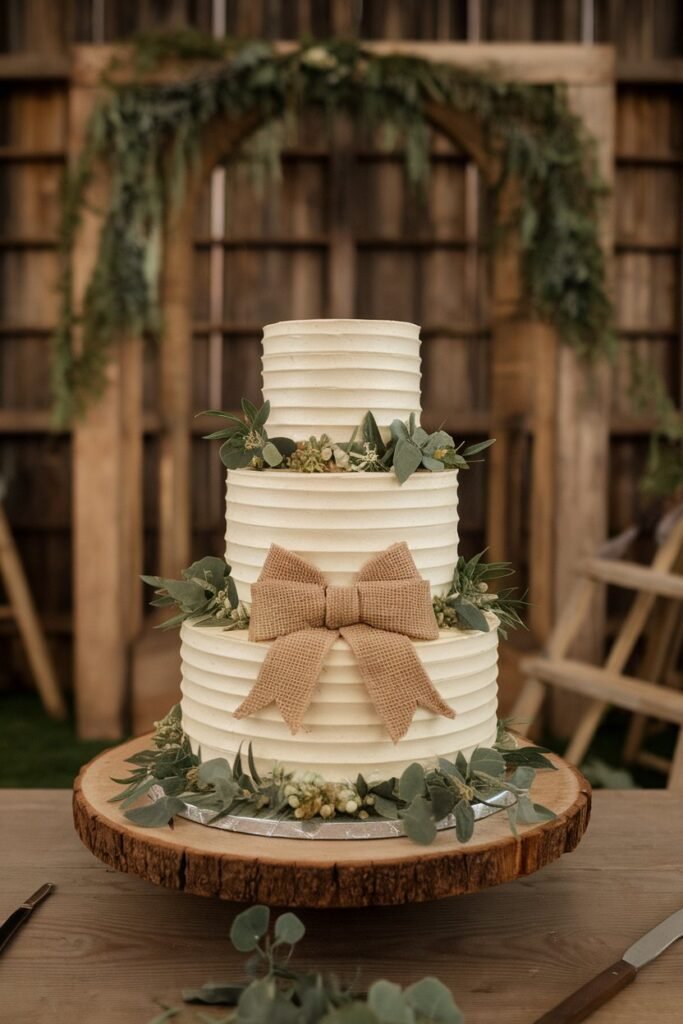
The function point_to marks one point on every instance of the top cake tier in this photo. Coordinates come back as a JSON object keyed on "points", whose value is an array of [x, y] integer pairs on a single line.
{"points": [[322, 376]]}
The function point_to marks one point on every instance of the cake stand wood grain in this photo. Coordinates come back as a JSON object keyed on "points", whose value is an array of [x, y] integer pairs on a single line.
{"points": [[324, 873]]}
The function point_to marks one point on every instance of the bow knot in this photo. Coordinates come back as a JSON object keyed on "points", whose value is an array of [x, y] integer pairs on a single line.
{"points": [[389, 605], [342, 607]]}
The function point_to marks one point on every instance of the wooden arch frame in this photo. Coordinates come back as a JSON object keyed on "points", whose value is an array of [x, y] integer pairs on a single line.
{"points": [[537, 386]]}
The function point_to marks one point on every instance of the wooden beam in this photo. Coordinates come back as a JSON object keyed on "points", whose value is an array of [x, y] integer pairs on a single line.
{"points": [[23, 610], [541, 64], [582, 426], [107, 488], [650, 72], [633, 576], [43, 67], [619, 690]]}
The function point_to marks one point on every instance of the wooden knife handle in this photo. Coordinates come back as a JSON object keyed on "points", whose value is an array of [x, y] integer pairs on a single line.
{"points": [[580, 1004]]}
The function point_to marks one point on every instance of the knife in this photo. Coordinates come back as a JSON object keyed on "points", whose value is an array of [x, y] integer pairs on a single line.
{"points": [[22, 913], [581, 1003]]}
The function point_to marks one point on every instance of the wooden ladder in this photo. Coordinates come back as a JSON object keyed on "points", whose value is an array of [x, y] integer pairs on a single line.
{"points": [[607, 685], [22, 609]]}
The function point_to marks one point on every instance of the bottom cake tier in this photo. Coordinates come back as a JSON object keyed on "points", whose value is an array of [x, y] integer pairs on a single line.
{"points": [[342, 733]]}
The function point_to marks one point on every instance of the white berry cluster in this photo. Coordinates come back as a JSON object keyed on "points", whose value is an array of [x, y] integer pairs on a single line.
{"points": [[310, 796]]}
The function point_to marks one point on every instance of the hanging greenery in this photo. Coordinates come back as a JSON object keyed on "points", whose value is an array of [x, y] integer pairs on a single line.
{"points": [[149, 135]]}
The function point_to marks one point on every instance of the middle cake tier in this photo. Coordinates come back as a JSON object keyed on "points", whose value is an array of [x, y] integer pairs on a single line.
{"points": [[337, 521]]}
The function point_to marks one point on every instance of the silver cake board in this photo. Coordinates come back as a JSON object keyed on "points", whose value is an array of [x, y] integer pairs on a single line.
{"points": [[316, 828]]}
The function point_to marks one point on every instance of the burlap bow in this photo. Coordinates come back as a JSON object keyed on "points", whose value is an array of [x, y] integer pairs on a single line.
{"points": [[389, 603]]}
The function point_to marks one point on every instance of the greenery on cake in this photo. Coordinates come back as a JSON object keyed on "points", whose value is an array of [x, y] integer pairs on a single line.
{"points": [[276, 992], [207, 596], [420, 798], [246, 441], [246, 444], [469, 599], [149, 134]]}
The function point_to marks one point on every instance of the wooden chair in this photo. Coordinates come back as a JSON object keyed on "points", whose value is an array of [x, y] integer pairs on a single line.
{"points": [[607, 685], [21, 608]]}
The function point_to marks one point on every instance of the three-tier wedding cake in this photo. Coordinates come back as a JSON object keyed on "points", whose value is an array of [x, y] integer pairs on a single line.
{"points": [[320, 377]]}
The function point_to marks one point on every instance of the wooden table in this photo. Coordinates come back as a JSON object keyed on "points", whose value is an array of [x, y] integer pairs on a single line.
{"points": [[105, 946]]}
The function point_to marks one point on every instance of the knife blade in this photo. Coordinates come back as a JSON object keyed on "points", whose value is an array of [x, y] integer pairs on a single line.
{"points": [[598, 990], [19, 917]]}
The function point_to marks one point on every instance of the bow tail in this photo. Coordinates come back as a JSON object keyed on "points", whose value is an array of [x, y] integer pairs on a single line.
{"points": [[289, 675], [394, 676]]}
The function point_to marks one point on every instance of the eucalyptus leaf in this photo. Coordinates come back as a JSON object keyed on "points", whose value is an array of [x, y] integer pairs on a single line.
{"points": [[442, 799], [249, 409], [235, 458], [271, 454], [385, 808], [529, 813], [289, 928], [252, 765], [464, 821], [370, 432], [522, 777], [472, 616], [157, 813], [249, 928], [489, 761], [432, 1000], [481, 446], [432, 464], [388, 1003], [399, 431], [285, 445], [407, 459], [418, 821], [412, 782], [213, 569]]}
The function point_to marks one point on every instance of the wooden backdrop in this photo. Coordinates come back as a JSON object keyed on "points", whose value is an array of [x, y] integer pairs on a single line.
{"points": [[342, 227]]}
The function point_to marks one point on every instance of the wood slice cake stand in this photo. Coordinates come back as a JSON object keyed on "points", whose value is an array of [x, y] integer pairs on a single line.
{"points": [[324, 873]]}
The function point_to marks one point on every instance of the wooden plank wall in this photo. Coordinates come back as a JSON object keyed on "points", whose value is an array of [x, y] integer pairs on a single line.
{"points": [[342, 235]]}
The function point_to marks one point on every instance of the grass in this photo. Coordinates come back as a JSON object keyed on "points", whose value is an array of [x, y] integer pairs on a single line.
{"points": [[37, 752]]}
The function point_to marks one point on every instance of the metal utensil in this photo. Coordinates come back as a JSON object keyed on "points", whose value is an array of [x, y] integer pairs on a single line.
{"points": [[22, 913], [585, 1000]]}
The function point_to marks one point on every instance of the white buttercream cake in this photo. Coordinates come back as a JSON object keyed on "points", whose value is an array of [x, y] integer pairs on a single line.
{"points": [[321, 376]]}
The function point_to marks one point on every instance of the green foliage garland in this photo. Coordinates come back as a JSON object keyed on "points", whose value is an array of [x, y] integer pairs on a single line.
{"points": [[277, 993], [421, 797], [149, 135]]}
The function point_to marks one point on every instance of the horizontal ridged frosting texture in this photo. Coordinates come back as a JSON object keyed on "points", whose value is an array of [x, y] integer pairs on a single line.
{"points": [[322, 376], [337, 521], [342, 732]]}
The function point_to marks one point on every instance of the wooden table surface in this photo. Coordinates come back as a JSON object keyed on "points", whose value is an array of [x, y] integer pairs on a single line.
{"points": [[107, 948]]}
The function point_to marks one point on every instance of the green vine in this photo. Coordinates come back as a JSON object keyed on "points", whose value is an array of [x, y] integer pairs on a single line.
{"points": [[149, 135]]}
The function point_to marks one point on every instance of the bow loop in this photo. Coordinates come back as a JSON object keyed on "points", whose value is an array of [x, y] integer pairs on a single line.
{"points": [[399, 606], [279, 607]]}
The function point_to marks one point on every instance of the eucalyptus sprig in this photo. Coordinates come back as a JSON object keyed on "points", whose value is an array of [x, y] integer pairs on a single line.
{"points": [[277, 992], [412, 448], [422, 796], [206, 594], [469, 598], [246, 441]]}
